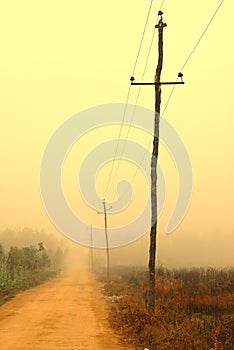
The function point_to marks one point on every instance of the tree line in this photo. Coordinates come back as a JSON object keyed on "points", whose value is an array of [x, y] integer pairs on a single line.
{"points": [[18, 263]]}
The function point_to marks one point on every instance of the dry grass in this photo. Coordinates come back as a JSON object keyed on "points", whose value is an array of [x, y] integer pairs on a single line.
{"points": [[194, 309]]}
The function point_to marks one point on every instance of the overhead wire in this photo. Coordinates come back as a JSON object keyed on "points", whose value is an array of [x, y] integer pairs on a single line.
{"points": [[118, 140], [140, 88], [173, 89], [142, 37], [133, 113], [162, 3], [169, 98], [202, 35], [128, 95], [142, 78], [192, 52], [134, 110]]}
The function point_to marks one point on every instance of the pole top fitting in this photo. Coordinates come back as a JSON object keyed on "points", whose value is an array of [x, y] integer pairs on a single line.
{"points": [[180, 75], [160, 23], [132, 79]]}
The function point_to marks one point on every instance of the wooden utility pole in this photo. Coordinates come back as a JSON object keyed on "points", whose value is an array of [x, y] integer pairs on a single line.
{"points": [[107, 240], [153, 233], [107, 243], [91, 249]]}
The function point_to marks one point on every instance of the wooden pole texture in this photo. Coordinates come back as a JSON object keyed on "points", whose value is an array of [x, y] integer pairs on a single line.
{"points": [[107, 243], [153, 232]]}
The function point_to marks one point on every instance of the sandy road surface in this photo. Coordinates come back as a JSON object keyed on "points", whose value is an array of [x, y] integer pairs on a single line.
{"points": [[65, 313]]}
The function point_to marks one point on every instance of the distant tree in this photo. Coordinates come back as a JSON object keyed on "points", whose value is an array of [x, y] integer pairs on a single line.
{"points": [[2, 259], [44, 261], [30, 260], [58, 259], [41, 247], [1, 252], [14, 262]]}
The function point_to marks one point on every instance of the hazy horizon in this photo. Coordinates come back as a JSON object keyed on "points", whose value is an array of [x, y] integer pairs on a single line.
{"points": [[50, 72]]}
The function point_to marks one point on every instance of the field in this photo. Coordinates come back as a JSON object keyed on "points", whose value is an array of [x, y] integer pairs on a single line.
{"points": [[194, 308]]}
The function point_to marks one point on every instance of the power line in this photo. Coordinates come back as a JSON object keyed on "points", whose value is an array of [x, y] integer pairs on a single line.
{"points": [[142, 38], [192, 52], [172, 92], [127, 100], [118, 140], [162, 4], [142, 78], [173, 89], [169, 99], [139, 91], [202, 35]]}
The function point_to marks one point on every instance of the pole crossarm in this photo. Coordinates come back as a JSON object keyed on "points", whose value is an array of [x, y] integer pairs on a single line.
{"points": [[160, 83]]}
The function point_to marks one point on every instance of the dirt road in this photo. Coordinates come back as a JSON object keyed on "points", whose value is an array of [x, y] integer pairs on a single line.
{"points": [[68, 312]]}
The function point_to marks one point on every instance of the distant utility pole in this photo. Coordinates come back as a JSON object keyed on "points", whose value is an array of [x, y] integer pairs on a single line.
{"points": [[91, 249], [153, 233], [107, 240]]}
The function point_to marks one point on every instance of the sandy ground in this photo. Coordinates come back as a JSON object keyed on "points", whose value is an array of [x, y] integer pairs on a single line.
{"points": [[67, 312]]}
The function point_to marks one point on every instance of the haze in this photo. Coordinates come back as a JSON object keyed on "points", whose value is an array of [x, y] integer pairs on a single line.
{"points": [[60, 58]]}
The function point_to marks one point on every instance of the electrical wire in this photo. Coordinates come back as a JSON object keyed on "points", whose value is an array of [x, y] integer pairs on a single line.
{"points": [[202, 35], [142, 38], [139, 92], [118, 140], [127, 100], [173, 89], [162, 5], [192, 52], [133, 113], [169, 98], [142, 78]]}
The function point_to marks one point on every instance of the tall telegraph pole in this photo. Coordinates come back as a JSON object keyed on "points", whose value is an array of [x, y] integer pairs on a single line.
{"points": [[107, 240], [153, 233], [107, 243], [91, 249]]}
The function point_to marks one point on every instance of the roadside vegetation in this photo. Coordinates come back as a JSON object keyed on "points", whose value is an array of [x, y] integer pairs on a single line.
{"points": [[194, 308], [22, 267]]}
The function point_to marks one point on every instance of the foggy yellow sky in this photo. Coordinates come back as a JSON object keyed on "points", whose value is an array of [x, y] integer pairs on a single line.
{"points": [[58, 58]]}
